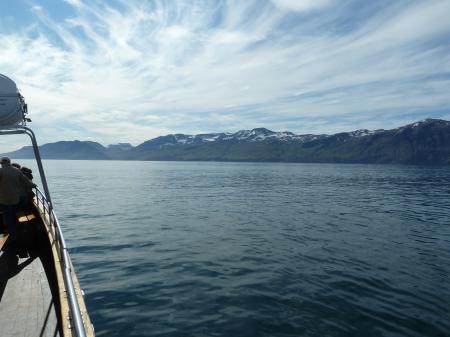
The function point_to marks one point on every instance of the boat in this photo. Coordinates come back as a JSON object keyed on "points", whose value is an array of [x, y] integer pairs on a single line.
{"points": [[40, 294]]}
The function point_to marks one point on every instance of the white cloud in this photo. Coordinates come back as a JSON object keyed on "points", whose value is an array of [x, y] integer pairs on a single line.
{"points": [[76, 3], [175, 33], [172, 66], [302, 5]]}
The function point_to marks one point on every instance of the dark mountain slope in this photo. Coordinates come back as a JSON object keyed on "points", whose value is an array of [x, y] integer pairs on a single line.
{"points": [[424, 142], [65, 150]]}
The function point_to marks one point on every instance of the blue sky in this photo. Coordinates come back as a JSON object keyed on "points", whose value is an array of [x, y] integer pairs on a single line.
{"points": [[127, 71]]}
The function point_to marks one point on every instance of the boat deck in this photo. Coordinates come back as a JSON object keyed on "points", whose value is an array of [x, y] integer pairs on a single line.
{"points": [[27, 307]]}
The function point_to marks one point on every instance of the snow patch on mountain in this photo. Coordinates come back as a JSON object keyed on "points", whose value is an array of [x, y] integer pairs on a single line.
{"points": [[362, 133], [266, 135]]}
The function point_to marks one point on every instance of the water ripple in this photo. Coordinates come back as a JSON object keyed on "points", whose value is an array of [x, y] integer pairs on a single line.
{"points": [[242, 249]]}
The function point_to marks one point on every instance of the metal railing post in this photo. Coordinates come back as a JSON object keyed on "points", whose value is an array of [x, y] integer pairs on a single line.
{"points": [[37, 155]]}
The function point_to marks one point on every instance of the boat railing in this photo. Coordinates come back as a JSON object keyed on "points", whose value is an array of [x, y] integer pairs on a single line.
{"points": [[48, 213], [13, 121]]}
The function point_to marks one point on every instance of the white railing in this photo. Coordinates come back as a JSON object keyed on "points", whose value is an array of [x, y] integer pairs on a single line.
{"points": [[55, 228]]}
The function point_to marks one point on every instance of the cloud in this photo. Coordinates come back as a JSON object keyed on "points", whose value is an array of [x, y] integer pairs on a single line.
{"points": [[302, 5], [138, 70], [76, 3]]}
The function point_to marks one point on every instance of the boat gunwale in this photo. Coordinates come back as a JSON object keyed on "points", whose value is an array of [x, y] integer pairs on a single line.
{"points": [[79, 324], [62, 263]]}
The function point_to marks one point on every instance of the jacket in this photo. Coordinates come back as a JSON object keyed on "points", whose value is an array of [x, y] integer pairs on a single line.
{"points": [[12, 183]]}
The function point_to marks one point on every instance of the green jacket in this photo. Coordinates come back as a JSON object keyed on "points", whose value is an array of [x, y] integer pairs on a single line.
{"points": [[12, 183]]}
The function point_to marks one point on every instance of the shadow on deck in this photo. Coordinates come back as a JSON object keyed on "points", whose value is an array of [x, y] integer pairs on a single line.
{"points": [[27, 287]]}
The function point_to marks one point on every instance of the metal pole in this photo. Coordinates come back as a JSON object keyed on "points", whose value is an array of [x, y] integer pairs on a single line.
{"points": [[29, 132], [40, 167]]}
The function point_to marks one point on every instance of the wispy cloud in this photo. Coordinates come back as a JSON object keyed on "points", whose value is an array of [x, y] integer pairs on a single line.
{"points": [[131, 70], [302, 5]]}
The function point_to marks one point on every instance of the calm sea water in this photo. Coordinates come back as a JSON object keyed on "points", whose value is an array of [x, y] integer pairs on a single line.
{"points": [[242, 249]]}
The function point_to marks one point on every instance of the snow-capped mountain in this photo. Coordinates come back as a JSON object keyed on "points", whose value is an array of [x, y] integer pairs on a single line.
{"points": [[423, 142], [254, 135]]}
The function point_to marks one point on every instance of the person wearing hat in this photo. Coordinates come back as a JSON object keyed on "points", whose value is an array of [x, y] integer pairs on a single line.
{"points": [[12, 182]]}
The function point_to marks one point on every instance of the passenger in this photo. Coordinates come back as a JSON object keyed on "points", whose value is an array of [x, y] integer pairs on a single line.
{"points": [[11, 182], [27, 172], [27, 193]]}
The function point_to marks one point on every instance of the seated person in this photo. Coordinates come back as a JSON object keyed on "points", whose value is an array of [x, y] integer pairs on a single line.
{"points": [[12, 183]]}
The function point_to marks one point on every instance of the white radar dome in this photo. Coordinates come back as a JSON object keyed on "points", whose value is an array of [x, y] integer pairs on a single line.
{"points": [[12, 105]]}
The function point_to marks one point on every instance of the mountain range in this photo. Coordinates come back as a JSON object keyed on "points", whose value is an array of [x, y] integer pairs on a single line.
{"points": [[423, 142]]}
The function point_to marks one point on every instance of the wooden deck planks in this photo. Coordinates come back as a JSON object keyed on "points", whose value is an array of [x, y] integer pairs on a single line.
{"points": [[3, 238], [22, 218], [25, 217], [26, 307]]}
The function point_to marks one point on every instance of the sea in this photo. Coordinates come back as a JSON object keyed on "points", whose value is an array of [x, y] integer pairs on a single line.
{"points": [[257, 249]]}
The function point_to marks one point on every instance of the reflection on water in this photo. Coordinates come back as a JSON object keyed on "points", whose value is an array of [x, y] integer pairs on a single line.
{"points": [[242, 249]]}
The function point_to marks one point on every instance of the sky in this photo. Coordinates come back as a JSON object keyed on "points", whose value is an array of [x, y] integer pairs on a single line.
{"points": [[128, 71]]}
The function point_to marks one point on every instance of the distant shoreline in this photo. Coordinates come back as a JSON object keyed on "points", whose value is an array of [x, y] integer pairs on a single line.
{"points": [[425, 142]]}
